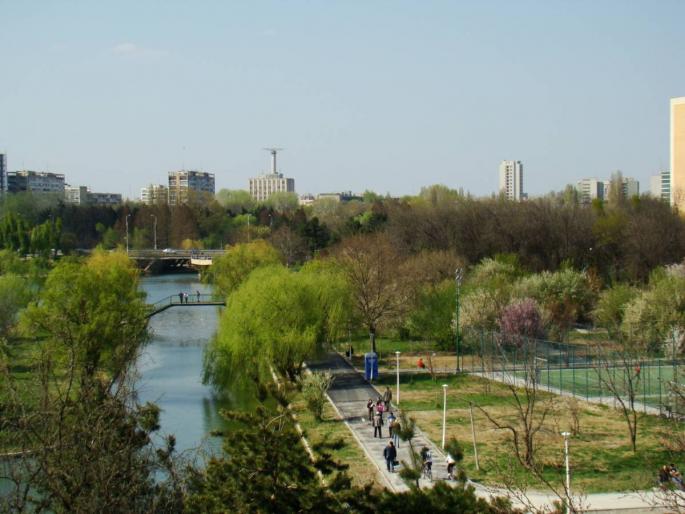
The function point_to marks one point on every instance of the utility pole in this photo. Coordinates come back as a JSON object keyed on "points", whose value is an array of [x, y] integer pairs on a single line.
{"points": [[459, 274], [127, 217], [154, 229]]}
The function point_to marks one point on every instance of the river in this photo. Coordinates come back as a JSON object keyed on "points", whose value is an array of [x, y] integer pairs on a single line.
{"points": [[170, 367]]}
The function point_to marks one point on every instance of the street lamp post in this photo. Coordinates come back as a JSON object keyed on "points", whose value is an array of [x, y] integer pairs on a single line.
{"points": [[444, 413], [127, 217], [566, 435], [397, 355], [458, 277], [154, 229]]}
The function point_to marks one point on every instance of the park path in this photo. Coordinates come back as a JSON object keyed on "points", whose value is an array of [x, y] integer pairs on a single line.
{"points": [[349, 393]]}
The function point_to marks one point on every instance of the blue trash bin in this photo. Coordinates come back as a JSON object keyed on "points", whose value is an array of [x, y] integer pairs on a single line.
{"points": [[370, 365]]}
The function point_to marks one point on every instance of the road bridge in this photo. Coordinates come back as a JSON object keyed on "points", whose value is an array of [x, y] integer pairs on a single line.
{"points": [[171, 259]]}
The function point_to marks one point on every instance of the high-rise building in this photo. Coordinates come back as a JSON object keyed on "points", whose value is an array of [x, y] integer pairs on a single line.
{"points": [[80, 195], [590, 189], [110, 199], [263, 186], [154, 194], [660, 186], [511, 180], [190, 185], [35, 182], [678, 152], [77, 195], [3, 173], [629, 187]]}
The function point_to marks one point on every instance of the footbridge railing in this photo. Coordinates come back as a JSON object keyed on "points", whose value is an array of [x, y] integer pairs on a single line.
{"points": [[183, 300]]}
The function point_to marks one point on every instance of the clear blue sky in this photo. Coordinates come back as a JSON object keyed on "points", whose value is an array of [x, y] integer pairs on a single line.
{"points": [[387, 96]]}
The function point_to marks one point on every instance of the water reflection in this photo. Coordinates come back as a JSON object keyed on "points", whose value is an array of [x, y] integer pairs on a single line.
{"points": [[171, 367]]}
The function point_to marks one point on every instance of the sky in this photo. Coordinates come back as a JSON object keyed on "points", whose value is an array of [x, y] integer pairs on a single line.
{"points": [[387, 96]]}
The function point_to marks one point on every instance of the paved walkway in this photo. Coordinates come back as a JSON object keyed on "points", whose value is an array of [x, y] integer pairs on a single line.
{"points": [[349, 394]]}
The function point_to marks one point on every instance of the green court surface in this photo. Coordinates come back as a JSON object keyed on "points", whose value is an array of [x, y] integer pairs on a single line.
{"points": [[652, 383]]}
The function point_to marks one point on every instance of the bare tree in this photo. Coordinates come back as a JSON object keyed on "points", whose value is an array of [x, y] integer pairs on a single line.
{"points": [[371, 266], [618, 370], [532, 410]]}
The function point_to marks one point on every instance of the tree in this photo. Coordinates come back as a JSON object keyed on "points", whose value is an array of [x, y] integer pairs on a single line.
{"points": [[442, 499], [228, 271], [290, 244], [93, 312], [432, 315], [610, 308], [439, 194], [654, 321], [371, 266], [235, 200], [530, 407], [283, 201], [565, 297], [276, 318], [520, 321], [265, 469], [15, 294], [89, 439]]}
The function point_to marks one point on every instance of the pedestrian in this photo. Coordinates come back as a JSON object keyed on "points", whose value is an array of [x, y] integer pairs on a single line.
{"points": [[420, 363], [185, 297], [387, 397], [380, 407], [390, 454], [198, 296], [396, 429], [369, 407], [377, 425], [450, 467], [180, 296], [427, 460], [391, 421]]}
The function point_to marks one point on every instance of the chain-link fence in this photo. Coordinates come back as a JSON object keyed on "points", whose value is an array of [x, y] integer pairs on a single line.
{"points": [[600, 371]]}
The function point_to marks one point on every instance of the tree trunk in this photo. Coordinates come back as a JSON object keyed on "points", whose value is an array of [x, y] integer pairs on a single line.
{"points": [[372, 337]]}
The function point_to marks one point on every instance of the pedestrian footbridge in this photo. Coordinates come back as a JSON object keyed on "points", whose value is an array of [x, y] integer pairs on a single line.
{"points": [[178, 300]]}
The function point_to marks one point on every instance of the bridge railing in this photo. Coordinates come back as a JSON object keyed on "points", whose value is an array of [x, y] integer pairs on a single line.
{"points": [[179, 299], [174, 254]]}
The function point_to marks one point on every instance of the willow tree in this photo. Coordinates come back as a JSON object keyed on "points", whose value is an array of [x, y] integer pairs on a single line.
{"points": [[231, 269], [275, 319]]}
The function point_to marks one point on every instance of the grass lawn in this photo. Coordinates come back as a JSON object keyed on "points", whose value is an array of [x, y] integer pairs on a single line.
{"points": [[20, 369], [361, 470], [21, 361], [601, 456]]}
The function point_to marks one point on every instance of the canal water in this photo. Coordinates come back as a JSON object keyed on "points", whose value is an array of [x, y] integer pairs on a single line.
{"points": [[170, 371], [170, 366]]}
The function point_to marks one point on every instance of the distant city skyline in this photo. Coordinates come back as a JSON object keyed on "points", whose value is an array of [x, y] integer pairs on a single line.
{"points": [[388, 96]]}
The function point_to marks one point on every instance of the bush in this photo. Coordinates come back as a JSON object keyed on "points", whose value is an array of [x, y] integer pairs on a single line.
{"points": [[314, 388]]}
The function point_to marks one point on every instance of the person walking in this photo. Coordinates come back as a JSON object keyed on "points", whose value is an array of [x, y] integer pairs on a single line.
{"points": [[369, 407], [450, 467], [387, 397], [377, 425], [180, 297], [390, 454], [396, 428], [391, 422], [198, 296]]}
